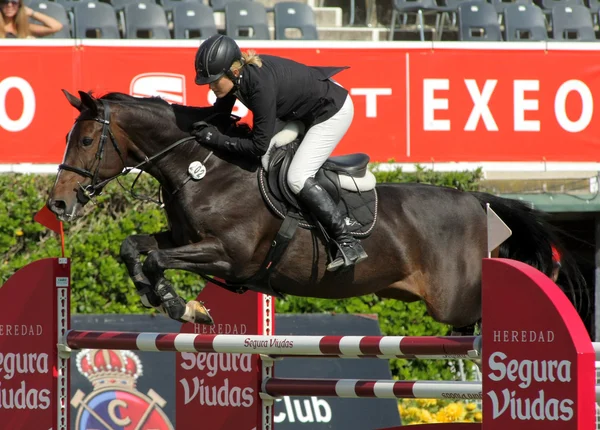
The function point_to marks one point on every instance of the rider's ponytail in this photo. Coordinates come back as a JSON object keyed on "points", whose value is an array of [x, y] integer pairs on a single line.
{"points": [[250, 57]]}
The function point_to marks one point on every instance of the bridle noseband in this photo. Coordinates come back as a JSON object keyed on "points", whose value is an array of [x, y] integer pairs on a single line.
{"points": [[86, 192]]}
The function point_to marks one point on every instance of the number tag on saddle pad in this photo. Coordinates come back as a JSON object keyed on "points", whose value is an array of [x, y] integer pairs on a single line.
{"points": [[197, 170]]}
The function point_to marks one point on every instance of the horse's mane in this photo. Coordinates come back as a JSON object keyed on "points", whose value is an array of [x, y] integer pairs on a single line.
{"points": [[184, 115], [126, 98]]}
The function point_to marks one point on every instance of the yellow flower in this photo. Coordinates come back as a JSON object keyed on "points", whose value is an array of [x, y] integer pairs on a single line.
{"points": [[424, 403], [478, 417], [471, 407], [411, 412], [19, 232], [425, 416], [454, 412]]}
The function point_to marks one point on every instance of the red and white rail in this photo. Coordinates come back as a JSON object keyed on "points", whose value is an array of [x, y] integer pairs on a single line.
{"points": [[382, 389], [335, 346], [432, 347]]}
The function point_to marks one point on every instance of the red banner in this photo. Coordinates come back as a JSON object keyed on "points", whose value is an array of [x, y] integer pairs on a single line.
{"points": [[32, 379], [223, 388], [538, 364], [412, 105]]}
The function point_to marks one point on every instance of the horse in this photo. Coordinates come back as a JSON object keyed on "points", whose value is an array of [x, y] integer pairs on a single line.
{"points": [[427, 243]]}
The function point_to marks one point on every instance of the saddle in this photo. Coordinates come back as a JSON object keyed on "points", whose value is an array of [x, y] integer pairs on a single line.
{"points": [[346, 178]]}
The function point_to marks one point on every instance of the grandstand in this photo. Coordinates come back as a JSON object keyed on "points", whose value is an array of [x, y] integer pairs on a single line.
{"points": [[369, 20]]}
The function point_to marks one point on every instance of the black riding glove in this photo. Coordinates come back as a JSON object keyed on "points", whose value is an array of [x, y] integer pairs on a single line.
{"points": [[208, 135]]}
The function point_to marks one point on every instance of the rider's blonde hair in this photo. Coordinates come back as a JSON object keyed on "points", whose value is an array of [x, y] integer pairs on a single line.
{"points": [[250, 57]]}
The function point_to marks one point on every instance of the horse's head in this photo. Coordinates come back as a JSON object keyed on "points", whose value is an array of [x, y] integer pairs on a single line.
{"points": [[92, 157]]}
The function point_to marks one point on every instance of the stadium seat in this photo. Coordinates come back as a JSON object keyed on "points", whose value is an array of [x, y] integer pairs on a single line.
{"points": [[404, 8], [594, 7], [145, 21], [245, 19], [95, 20], [168, 5], [119, 5], [56, 11], [572, 23], [219, 5], [295, 16], [478, 21], [549, 4], [193, 20], [69, 4], [524, 22]]}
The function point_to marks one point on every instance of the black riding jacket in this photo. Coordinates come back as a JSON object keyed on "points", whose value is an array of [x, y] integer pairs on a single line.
{"points": [[281, 89]]}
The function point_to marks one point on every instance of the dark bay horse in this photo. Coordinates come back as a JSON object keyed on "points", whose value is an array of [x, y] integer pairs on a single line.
{"points": [[427, 244]]}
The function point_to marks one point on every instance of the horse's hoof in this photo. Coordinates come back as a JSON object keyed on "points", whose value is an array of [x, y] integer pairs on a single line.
{"points": [[196, 313]]}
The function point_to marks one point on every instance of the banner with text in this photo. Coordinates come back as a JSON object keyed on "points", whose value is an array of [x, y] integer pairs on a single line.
{"points": [[411, 105]]}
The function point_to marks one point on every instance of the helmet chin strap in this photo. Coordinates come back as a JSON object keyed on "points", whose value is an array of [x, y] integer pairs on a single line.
{"points": [[233, 78], [231, 75]]}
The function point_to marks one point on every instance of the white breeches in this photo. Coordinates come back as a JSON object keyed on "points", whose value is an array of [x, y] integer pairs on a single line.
{"points": [[319, 142]]}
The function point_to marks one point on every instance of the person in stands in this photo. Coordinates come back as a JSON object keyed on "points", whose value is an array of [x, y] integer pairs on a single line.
{"points": [[14, 21], [279, 88]]}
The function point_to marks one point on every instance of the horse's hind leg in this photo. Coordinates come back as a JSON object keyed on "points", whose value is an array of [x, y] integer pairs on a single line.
{"points": [[132, 248]]}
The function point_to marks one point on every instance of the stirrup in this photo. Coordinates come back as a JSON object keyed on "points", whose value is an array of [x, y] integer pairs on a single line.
{"points": [[342, 259]]}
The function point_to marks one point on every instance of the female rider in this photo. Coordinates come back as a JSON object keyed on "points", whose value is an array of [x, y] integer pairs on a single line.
{"points": [[278, 88]]}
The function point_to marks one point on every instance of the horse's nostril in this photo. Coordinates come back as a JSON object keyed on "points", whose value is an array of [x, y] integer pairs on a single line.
{"points": [[58, 206]]}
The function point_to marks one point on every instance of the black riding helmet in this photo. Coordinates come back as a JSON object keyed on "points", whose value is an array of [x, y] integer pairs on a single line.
{"points": [[215, 57]]}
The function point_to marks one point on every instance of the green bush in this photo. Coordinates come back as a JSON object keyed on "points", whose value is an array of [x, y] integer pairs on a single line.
{"points": [[101, 283]]}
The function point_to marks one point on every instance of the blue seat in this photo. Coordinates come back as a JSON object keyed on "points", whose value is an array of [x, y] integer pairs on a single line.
{"points": [[572, 23], [145, 21], [95, 20], [524, 22], [56, 11], [405, 8], [295, 16], [245, 19], [478, 21], [193, 20]]}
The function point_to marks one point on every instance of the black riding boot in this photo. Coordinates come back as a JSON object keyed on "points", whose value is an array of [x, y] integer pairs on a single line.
{"points": [[322, 206]]}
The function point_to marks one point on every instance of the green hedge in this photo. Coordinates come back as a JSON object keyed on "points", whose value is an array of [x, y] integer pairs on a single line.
{"points": [[101, 283]]}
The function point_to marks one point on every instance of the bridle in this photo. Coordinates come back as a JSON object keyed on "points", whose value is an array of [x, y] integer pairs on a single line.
{"points": [[85, 193]]}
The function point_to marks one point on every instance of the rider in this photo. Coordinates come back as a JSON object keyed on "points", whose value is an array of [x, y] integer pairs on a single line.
{"points": [[278, 88]]}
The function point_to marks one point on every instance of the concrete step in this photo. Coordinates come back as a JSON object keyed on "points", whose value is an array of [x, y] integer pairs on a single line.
{"points": [[354, 33]]}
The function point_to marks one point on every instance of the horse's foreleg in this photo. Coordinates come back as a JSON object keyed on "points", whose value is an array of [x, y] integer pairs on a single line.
{"points": [[132, 248], [207, 256]]}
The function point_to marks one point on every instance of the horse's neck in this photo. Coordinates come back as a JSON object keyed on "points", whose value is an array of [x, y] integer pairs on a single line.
{"points": [[172, 168]]}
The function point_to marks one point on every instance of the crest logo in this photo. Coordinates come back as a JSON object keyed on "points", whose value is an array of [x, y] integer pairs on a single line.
{"points": [[115, 403]]}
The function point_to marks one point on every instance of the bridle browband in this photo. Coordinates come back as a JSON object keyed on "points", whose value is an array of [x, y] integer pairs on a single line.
{"points": [[86, 192]]}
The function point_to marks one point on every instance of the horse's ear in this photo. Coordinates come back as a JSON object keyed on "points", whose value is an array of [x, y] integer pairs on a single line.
{"points": [[89, 102], [75, 102]]}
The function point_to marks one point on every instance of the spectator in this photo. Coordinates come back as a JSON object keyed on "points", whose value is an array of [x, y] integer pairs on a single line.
{"points": [[14, 21]]}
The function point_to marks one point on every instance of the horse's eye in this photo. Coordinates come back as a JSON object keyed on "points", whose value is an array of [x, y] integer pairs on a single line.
{"points": [[87, 141]]}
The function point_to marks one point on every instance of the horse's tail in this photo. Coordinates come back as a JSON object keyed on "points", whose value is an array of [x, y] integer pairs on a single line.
{"points": [[531, 242]]}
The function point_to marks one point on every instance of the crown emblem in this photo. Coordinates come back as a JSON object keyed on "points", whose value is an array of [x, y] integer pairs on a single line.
{"points": [[104, 368]]}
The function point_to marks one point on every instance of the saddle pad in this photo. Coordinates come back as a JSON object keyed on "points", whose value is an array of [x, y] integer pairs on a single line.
{"points": [[359, 209]]}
